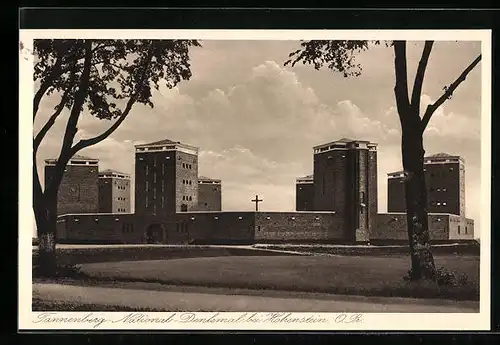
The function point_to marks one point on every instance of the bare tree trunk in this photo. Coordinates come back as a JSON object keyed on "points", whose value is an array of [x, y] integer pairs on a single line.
{"points": [[412, 148], [423, 266], [45, 210], [37, 198], [46, 216]]}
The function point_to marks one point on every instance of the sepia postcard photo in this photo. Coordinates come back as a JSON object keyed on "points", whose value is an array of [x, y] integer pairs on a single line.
{"points": [[254, 179]]}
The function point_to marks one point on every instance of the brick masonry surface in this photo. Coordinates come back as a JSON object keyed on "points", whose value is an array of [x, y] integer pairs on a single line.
{"points": [[442, 177], [78, 191], [461, 228], [363, 226], [99, 228], [304, 196], [293, 226], [105, 195], [330, 181], [189, 227], [225, 227], [186, 182], [442, 227], [158, 175], [445, 189], [345, 181], [393, 226], [244, 227], [114, 195], [121, 196], [372, 191], [209, 197]]}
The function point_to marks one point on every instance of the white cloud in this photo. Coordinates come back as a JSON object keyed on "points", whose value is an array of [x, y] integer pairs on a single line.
{"points": [[451, 125], [244, 175]]}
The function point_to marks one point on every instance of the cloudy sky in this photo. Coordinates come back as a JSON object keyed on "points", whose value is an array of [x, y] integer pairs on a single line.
{"points": [[256, 121]]}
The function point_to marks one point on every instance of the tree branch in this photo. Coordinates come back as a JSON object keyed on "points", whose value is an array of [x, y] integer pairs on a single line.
{"points": [[37, 190], [71, 129], [97, 139], [431, 108], [103, 45], [401, 87], [60, 107], [108, 63], [419, 76], [56, 71], [80, 96], [48, 125]]}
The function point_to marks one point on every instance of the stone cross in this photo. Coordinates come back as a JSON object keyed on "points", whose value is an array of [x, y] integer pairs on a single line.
{"points": [[256, 201]]}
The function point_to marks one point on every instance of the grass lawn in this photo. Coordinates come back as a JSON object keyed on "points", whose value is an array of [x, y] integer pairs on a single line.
{"points": [[352, 275], [106, 253]]}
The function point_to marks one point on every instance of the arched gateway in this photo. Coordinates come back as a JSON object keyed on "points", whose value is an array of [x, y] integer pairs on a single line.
{"points": [[155, 234]]}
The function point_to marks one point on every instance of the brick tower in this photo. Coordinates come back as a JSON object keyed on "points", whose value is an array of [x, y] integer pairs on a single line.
{"points": [[78, 191], [166, 178], [304, 193], [445, 182], [396, 192], [209, 194], [345, 181], [114, 192]]}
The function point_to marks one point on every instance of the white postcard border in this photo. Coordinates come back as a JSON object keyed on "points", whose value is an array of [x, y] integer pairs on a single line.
{"points": [[371, 321]]}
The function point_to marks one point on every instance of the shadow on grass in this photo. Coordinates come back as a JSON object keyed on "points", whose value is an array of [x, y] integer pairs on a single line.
{"points": [[62, 271], [72, 256], [464, 291], [468, 292], [469, 248]]}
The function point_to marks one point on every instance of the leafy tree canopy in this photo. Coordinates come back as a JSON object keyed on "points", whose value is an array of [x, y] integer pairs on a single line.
{"points": [[338, 56], [97, 74], [119, 69]]}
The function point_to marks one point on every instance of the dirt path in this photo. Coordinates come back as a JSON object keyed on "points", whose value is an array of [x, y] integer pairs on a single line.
{"points": [[205, 301]]}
